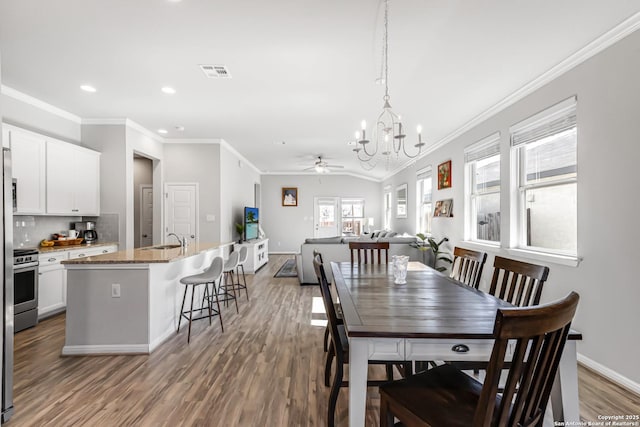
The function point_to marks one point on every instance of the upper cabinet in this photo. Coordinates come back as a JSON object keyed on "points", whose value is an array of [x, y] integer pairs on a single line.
{"points": [[53, 177], [28, 156], [73, 179]]}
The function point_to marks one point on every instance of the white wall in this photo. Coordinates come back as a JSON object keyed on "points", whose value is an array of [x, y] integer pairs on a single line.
{"points": [[185, 162], [287, 227], [608, 91]]}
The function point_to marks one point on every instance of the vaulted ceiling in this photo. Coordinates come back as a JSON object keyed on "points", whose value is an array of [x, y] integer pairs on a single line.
{"points": [[303, 71]]}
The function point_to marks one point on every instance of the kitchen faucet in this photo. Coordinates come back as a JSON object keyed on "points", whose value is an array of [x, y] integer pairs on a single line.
{"points": [[182, 241]]}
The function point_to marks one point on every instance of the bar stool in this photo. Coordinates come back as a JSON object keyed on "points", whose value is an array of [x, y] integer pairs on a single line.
{"points": [[210, 275], [244, 252], [227, 284]]}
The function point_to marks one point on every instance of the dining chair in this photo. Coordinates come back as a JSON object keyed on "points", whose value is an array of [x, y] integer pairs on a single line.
{"points": [[210, 275], [336, 305], [467, 266], [517, 282], [339, 346], [446, 396], [369, 252]]}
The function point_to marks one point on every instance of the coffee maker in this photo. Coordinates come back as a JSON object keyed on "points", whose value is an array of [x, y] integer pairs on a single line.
{"points": [[86, 230]]}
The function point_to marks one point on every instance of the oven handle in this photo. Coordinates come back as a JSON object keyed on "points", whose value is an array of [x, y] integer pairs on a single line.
{"points": [[21, 267]]}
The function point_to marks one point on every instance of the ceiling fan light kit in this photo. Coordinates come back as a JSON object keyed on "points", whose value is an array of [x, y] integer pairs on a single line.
{"points": [[387, 133]]}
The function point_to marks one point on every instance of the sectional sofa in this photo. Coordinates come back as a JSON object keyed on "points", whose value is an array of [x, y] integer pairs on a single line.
{"points": [[337, 249]]}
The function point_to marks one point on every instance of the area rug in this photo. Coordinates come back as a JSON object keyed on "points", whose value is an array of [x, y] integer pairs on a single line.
{"points": [[288, 269]]}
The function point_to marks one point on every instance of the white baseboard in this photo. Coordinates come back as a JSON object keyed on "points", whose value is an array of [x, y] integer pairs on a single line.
{"points": [[85, 350], [283, 253], [610, 374], [162, 338]]}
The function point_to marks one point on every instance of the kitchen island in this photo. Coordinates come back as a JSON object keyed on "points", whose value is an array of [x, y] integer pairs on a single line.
{"points": [[128, 302]]}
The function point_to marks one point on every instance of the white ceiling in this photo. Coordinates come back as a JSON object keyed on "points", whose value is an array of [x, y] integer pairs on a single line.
{"points": [[303, 70]]}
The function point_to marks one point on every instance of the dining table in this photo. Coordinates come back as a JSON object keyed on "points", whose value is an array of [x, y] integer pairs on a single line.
{"points": [[429, 318]]}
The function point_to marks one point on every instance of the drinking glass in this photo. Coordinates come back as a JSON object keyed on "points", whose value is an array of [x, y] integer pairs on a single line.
{"points": [[400, 263]]}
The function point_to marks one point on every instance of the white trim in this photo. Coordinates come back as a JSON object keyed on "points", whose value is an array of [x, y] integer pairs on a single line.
{"points": [[284, 253], [146, 132], [162, 338], [35, 102], [123, 121], [478, 245], [596, 46], [609, 374], [111, 121], [192, 140], [571, 261], [80, 350], [546, 115], [82, 264], [228, 146]]}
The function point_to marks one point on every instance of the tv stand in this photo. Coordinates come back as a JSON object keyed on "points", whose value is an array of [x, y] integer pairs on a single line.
{"points": [[257, 256]]}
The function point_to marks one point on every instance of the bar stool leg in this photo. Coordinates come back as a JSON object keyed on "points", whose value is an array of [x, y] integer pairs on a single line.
{"points": [[244, 280], [191, 314], [205, 294], [184, 297], [233, 288], [215, 292]]}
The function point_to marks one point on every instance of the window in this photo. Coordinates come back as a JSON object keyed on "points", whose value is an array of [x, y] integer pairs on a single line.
{"points": [[387, 208], [482, 190], [353, 220], [545, 159], [424, 205]]}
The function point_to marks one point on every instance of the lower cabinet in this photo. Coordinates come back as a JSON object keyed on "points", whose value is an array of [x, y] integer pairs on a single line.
{"points": [[52, 284]]}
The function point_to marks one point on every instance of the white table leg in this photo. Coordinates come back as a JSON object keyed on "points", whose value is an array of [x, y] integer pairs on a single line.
{"points": [[564, 395], [358, 362]]}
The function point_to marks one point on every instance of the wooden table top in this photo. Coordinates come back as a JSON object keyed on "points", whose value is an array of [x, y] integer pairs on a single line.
{"points": [[429, 305]]}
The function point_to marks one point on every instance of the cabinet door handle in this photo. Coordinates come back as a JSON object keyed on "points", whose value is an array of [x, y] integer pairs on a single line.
{"points": [[52, 259], [81, 255], [39, 274], [105, 251]]}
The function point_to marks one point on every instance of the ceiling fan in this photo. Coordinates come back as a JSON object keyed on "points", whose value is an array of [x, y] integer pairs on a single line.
{"points": [[320, 166]]}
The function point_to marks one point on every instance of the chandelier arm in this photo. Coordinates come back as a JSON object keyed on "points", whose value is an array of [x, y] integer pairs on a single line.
{"points": [[404, 148]]}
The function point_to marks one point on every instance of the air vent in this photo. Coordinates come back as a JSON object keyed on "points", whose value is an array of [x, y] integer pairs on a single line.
{"points": [[215, 71]]}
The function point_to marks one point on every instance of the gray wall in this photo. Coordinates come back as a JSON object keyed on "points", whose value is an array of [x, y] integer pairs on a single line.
{"points": [[198, 163], [287, 227], [608, 91], [142, 175], [237, 180]]}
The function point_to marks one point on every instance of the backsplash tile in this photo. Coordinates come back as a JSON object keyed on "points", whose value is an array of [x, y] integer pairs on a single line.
{"points": [[28, 231], [107, 226]]}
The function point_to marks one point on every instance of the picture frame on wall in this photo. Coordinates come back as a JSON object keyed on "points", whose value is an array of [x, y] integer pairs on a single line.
{"points": [[401, 201], [289, 196], [444, 175], [443, 208]]}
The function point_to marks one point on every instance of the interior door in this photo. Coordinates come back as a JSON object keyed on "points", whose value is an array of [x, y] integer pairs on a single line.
{"points": [[182, 211], [326, 217], [146, 216]]}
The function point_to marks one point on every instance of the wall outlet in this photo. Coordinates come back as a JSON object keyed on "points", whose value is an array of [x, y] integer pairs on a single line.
{"points": [[115, 290]]}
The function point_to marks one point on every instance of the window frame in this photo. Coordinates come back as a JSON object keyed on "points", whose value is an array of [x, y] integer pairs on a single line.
{"points": [[387, 207], [352, 218], [423, 175]]}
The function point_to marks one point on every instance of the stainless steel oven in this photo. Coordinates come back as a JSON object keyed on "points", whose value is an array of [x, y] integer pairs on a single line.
{"points": [[25, 288]]}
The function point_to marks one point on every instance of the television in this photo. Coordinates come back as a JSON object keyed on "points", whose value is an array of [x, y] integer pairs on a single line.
{"points": [[251, 221]]}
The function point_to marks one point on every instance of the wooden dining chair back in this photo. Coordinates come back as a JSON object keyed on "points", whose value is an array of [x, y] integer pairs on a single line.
{"points": [[447, 396], [369, 252], [467, 266], [517, 282], [339, 347]]}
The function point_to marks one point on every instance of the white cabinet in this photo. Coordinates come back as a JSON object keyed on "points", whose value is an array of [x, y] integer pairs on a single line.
{"points": [[92, 251], [28, 156], [73, 179], [52, 284], [257, 256]]}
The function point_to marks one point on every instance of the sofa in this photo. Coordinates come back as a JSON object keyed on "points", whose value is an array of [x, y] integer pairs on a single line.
{"points": [[337, 249]]}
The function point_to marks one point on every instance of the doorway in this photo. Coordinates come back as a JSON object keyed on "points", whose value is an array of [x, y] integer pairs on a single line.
{"points": [[326, 217], [142, 208], [182, 210]]}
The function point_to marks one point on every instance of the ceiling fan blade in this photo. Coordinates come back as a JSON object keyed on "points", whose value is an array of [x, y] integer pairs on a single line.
{"points": [[335, 166], [309, 169]]}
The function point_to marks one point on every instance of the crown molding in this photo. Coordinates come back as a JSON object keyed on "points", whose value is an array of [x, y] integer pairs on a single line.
{"points": [[112, 121], [192, 140], [35, 102], [228, 146], [123, 121], [617, 33]]}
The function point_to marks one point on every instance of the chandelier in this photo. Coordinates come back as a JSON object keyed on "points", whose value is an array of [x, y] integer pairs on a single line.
{"points": [[387, 133]]}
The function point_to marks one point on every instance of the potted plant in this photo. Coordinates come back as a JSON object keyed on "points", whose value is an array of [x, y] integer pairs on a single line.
{"points": [[240, 231], [425, 244]]}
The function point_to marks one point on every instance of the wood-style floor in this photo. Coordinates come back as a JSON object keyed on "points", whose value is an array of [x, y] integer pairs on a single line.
{"points": [[266, 369]]}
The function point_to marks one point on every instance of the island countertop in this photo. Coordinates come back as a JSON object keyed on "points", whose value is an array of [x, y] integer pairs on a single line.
{"points": [[148, 255]]}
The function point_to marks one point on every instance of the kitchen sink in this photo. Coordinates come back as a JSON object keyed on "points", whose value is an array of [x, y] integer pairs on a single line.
{"points": [[161, 247]]}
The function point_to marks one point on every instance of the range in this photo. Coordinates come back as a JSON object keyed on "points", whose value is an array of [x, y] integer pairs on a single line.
{"points": [[25, 288]]}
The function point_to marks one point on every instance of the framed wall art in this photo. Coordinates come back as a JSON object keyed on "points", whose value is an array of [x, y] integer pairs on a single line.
{"points": [[443, 208], [289, 196], [444, 175]]}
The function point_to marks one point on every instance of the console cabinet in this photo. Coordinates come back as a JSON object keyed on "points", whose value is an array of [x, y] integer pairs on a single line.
{"points": [[257, 255]]}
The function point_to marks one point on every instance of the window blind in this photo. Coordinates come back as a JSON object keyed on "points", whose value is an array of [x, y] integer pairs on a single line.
{"points": [[552, 121], [424, 173], [485, 148]]}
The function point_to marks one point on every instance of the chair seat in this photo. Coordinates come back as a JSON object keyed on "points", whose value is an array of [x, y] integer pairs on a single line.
{"points": [[444, 396]]}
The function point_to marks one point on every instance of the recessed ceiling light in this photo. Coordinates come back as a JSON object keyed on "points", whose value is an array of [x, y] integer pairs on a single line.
{"points": [[162, 131], [88, 88], [180, 128], [168, 90]]}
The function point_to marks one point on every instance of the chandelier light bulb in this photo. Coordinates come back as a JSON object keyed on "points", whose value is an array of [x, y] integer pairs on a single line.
{"points": [[357, 135], [363, 124], [419, 129]]}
